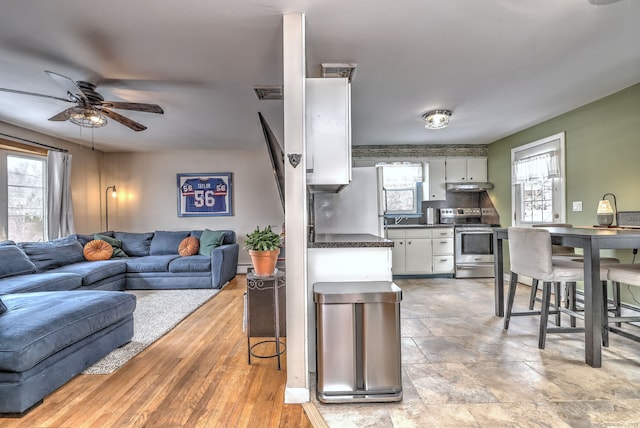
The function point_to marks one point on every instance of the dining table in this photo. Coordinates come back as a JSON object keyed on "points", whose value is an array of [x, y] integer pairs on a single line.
{"points": [[591, 240]]}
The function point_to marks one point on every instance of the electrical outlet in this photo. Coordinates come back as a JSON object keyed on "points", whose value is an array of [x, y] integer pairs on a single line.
{"points": [[577, 205]]}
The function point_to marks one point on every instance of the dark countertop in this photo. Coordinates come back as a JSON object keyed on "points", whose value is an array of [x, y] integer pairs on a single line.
{"points": [[349, 241], [417, 226]]}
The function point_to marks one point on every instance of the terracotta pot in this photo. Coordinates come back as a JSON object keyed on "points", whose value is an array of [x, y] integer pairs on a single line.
{"points": [[264, 262]]}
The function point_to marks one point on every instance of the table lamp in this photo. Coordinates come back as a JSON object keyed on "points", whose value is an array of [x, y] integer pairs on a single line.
{"points": [[605, 212]]}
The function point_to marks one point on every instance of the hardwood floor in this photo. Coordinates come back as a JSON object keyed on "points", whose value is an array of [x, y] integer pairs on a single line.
{"points": [[195, 376]]}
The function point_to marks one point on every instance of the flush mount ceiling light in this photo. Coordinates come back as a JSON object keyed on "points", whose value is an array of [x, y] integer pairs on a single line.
{"points": [[437, 119], [86, 117]]}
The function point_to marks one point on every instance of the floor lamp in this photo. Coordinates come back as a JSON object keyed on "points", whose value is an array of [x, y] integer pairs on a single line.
{"points": [[114, 193]]}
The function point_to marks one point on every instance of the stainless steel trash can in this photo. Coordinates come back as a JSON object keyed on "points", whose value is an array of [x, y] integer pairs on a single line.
{"points": [[358, 341]]}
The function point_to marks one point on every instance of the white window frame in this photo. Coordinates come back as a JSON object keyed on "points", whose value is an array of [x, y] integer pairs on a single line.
{"points": [[553, 142], [4, 191]]}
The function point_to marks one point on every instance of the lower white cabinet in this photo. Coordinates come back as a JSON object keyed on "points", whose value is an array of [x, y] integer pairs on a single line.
{"points": [[419, 251]]}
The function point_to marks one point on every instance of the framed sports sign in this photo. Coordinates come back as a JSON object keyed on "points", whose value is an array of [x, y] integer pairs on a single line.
{"points": [[204, 195]]}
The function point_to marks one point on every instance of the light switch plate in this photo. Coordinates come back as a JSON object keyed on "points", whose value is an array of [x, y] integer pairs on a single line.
{"points": [[577, 205]]}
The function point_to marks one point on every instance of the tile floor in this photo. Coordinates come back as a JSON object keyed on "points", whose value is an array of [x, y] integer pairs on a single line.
{"points": [[461, 369]]}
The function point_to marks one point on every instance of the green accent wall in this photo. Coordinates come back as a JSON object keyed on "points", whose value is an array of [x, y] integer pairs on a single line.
{"points": [[602, 142]]}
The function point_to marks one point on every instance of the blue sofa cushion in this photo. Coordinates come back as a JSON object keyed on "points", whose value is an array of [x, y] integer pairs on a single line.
{"points": [[191, 264], [55, 320], [92, 272], [229, 236], [209, 240], [150, 263], [14, 261], [135, 244], [49, 281], [3, 308], [53, 254], [83, 239], [116, 244], [166, 242]]}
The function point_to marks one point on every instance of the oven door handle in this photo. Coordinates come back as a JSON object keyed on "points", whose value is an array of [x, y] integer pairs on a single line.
{"points": [[474, 232]]}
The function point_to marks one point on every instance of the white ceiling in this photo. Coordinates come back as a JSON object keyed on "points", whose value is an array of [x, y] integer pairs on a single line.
{"points": [[500, 65]]}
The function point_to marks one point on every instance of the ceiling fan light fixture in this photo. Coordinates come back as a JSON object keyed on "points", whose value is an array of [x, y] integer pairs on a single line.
{"points": [[86, 117], [437, 119]]}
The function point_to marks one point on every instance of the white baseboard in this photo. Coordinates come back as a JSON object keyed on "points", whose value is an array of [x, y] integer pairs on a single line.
{"points": [[296, 395], [242, 268]]}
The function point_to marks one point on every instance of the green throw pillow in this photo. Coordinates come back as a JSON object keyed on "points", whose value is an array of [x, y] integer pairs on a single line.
{"points": [[115, 243], [209, 240]]}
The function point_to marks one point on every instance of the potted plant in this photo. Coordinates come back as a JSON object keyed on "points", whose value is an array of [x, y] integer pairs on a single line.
{"points": [[263, 246]]}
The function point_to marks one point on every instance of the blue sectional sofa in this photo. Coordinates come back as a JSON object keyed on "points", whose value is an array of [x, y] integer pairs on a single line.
{"points": [[59, 313]]}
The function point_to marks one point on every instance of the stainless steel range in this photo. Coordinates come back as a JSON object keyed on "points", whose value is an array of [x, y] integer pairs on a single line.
{"points": [[473, 242]]}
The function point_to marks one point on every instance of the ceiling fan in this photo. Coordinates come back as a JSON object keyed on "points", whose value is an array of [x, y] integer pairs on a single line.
{"points": [[91, 110]]}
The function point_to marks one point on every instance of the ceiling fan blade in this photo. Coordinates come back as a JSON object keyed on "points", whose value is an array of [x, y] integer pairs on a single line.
{"points": [[123, 120], [68, 84], [62, 116], [34, 94], [147, 108]]}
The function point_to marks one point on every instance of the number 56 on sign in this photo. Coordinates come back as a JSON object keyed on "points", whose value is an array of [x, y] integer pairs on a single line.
{"points": [[204, 194]]}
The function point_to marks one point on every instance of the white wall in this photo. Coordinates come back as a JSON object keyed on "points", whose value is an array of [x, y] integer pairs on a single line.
{"points": [[147, 191]]}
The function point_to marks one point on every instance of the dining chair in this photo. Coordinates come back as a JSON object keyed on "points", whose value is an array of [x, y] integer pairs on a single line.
{"points": [[625, 274], [530, 253], [562, 253]]}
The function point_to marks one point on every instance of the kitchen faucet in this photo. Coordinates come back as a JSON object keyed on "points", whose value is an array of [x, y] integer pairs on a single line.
{"points": [[399, 218]]}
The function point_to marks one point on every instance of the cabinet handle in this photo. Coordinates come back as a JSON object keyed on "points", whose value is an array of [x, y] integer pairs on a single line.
{"points": [[443, 242]]}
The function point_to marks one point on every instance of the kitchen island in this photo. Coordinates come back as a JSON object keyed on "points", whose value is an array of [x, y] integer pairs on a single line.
{"points": [[342, 258]]}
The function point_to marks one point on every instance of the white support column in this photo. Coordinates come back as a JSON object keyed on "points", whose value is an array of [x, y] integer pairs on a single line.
{"points": [[293, 43]]}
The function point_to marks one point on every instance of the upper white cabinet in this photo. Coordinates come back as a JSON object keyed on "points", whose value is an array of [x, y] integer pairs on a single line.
{"points": [[462, 170], [434, 186], [328, 133]]}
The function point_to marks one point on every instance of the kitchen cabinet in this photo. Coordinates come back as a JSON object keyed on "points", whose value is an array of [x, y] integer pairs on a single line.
{"points": [[442, 243], [434, 188], [463, 170], [328, 133], [417, 256], [421, 251]]}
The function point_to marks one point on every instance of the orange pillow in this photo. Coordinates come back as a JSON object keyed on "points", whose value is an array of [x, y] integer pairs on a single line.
{"points": [[97, 250], [189, 246]]}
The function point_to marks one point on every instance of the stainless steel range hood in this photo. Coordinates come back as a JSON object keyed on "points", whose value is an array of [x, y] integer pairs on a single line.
{"points": [[469, 187]]}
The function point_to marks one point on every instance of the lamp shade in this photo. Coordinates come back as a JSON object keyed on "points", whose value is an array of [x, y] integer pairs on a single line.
{"points": [[604, 213]]}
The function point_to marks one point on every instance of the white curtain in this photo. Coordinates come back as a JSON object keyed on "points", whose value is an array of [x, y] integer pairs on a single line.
{"points": [[538, 167], [60, 206]]}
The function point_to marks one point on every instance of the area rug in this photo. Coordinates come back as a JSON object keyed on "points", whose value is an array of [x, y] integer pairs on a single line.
{"points": [[157, 312]]}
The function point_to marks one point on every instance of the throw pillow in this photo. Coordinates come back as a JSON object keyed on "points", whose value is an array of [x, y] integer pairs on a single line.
{"points": [[3, 308], [209, 240], [97, 250], [14, 261], [115, 243], [189, 246]]}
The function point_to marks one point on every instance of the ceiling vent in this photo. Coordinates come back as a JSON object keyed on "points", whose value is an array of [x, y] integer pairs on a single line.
{"points": [[273, 92], [338, 70]]}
